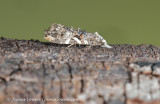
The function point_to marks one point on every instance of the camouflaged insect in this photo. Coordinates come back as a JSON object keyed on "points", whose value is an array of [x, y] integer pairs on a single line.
{"points": [[60, 34]]}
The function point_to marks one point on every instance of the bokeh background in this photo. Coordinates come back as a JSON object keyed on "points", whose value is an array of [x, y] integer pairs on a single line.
{"points": [[118, 21]]}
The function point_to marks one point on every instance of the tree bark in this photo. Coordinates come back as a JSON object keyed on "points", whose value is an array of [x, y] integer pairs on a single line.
{"points": [[33, 72]]}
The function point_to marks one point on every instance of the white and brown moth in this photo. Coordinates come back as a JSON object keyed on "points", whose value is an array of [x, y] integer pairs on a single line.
{"points": [[60, 34]]}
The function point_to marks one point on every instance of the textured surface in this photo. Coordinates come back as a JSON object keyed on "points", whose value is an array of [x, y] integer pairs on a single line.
{"points": [[33, 72]]}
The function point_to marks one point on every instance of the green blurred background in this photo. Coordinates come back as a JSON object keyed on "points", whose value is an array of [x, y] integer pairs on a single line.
{"points": [[118, 21]]}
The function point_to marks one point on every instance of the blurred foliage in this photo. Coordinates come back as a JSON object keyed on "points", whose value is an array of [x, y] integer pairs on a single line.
{"points": [[118, 21]]}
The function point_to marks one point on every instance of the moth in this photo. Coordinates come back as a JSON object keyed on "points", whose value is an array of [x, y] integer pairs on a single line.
{"points": [[61, 34]]}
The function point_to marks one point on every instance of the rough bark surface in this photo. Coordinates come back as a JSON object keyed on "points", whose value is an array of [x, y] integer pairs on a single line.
{"points": [[33, 72]]}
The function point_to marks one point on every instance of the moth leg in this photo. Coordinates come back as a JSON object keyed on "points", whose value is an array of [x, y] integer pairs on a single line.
{"points": [[67, 41], [70, 45], [77, 40], [85, 41]]}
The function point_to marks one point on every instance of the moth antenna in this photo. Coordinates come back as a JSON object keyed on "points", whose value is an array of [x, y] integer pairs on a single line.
{"points": [[84, 32], [80, 31]]}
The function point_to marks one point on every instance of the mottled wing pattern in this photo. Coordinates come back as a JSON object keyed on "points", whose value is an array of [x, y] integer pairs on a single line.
{"points": [[60, 34]]}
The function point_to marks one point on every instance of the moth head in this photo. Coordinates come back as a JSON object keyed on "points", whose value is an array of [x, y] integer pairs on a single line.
{"points": [[49, 37]]}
